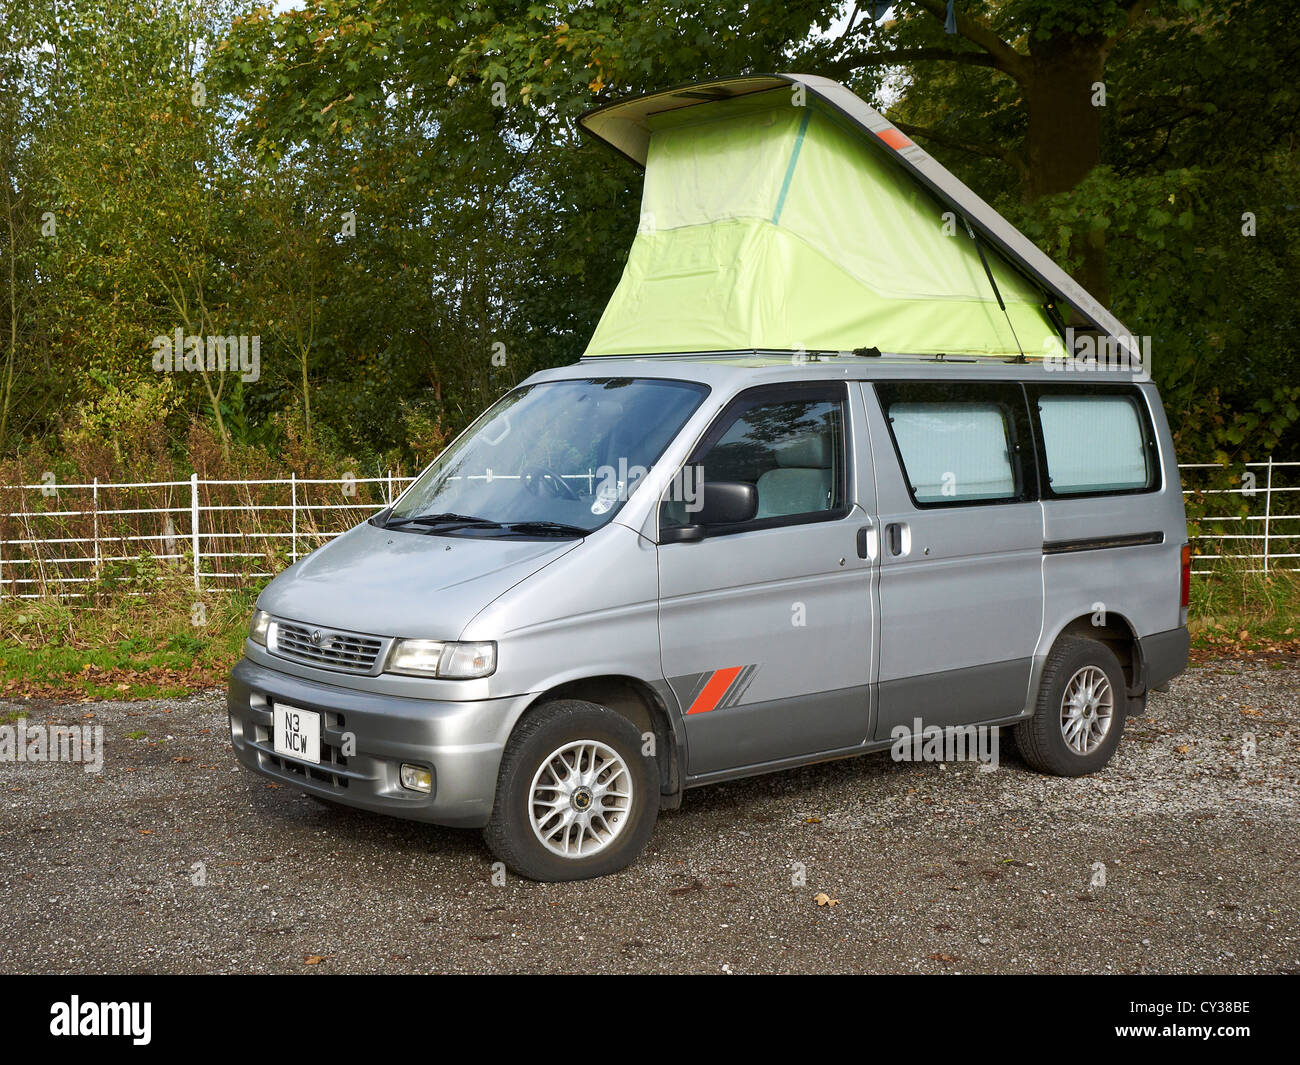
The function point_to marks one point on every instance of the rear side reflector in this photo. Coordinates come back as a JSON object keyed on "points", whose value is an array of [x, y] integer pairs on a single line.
{"points": [[1185, 590]]}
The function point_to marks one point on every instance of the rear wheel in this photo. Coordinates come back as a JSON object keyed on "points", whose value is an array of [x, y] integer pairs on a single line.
{"points": [[1080, 713], [575, 798]]}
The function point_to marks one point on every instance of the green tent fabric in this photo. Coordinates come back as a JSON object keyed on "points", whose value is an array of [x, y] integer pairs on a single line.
{"points": [[766, 225]]}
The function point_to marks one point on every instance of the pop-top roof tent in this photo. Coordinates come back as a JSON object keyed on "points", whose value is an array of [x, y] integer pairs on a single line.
{"points": [[781, 212]]}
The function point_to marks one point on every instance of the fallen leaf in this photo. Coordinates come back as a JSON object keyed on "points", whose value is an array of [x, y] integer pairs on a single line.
{"points": [[316, 959], [823, 899]]}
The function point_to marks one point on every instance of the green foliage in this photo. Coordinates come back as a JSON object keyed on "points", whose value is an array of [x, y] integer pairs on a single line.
{"points": [[1218, 304], [391, 194]]}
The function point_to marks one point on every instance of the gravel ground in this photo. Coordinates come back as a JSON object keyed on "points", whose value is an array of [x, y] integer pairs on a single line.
{"points": [[932, 868]]}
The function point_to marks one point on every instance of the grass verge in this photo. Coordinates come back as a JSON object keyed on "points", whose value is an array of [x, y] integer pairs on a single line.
{"points": [[1236, 611], [166, 642]]}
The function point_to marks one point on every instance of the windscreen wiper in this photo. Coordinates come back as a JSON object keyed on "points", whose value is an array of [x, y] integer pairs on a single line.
{"points": [[460, 520], [545, 528]]}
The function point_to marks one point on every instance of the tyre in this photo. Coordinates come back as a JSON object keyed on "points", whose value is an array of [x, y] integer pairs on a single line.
{"points": [[575, 796], [1080, 713]]}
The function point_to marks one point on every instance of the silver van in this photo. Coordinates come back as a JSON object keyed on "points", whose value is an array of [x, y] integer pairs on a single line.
{"points": [[633, 577], [646, 573]]}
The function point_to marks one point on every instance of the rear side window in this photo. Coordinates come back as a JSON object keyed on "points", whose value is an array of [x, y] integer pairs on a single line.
{"points": [[958, 445], [1095, 442]]}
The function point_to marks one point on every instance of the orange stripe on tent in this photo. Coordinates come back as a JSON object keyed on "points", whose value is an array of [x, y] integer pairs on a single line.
{"points": [[894, 139], [714, 690]]}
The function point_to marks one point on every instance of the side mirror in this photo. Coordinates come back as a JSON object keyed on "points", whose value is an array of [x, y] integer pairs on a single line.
{"points": [[720, 503]]}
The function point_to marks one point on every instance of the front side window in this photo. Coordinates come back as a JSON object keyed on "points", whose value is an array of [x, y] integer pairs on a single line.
{"points": [[788, 443], [557, 458], [1094, 443], [958, 444]]}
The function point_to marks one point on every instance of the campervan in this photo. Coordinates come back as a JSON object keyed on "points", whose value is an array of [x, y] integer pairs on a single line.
{"points": [[831, 471]]}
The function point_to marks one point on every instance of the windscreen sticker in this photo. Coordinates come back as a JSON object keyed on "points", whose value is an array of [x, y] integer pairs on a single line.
{"points": [[606, 497]]}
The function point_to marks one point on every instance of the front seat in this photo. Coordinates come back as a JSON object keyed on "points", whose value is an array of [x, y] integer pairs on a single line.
{"points": [[801, 483]]}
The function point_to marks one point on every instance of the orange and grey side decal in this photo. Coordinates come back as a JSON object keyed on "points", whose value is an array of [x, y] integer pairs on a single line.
{"points": [[718, 689]]}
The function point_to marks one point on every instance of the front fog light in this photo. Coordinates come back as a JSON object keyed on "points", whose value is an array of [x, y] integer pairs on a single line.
{"points": [[416, 778]]}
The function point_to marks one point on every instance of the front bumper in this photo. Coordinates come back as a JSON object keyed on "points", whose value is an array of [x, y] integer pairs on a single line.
{"points": [[460, 742]]}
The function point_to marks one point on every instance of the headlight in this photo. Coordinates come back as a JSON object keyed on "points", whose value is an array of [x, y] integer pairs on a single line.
{"points": [[257, 626], [435, 658]]}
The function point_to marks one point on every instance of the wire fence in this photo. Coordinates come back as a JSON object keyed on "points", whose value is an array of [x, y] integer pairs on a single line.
{"points": [[71, 540], [1246, 514]]}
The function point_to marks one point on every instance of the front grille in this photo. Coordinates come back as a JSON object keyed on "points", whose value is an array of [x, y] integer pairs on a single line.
{"points": [[346, 651]]}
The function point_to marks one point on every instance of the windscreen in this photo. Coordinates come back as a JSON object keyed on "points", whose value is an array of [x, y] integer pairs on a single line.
{"points": [[556, 458]]}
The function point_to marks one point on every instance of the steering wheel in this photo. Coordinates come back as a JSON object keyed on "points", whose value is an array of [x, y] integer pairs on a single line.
{"points": [[536, 475]]}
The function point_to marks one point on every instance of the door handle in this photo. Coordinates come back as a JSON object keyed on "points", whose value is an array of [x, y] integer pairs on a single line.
{"points": [[867, 541], [897, 535]]}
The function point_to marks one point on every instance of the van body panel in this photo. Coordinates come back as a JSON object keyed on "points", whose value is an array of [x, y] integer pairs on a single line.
{"points": [[961, 600], [759, 733], [969, 695], [356, 581], [950, 623], [790, 609], [767, 636], [1138, 582], [591, 612]]}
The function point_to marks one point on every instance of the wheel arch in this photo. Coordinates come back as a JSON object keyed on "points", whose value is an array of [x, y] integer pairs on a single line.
{"points": [[1116, 632], [637, 701]]}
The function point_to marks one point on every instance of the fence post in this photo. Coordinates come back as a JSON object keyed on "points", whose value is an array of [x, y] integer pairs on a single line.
{"points": [[94, 523], [194, 524], [1268, 508], [390, 488], [293, 516]]}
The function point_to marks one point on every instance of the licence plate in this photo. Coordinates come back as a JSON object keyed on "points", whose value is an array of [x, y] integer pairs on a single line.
{"points": [[297, 733]]}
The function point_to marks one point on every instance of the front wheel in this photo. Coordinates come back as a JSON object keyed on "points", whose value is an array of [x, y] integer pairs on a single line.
{"points": [[1079, 717], [575, 797]]}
